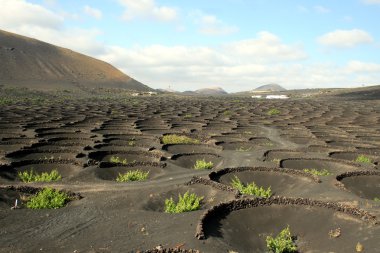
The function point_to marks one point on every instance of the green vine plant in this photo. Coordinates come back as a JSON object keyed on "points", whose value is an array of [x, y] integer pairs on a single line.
{"points": [[31, 176], [48, 198], [282, 243], [186, 203], [323, 172], [133, 175], [203, 165], [178, 139], [251, 189]]}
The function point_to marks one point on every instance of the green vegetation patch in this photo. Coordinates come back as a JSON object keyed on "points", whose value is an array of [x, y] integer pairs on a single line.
{"points": [[116, 159], [186, 203], [227, 113], [363, 159], [282, 243], [203, 165], [31, 176], [250, 189], [315, 172], [48, 198], [178, 139], [133, 175], [376, 199], [6, 101], [273, 111]]}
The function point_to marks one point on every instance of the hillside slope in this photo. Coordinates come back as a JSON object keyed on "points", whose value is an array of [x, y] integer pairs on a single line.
{"points": [[31, 63]]}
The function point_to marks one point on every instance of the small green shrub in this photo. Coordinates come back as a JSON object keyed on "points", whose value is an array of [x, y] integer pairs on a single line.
{"points": [[116, 159], [376, 199], [131, 143], [188, 116], [315, 172], [363, 159], [203, 165], [133, 175], [48, 198], [178, 139], [282, 243], [227, 113], [27, 176], [6, 101], [31, 176], [250, 189], [186, 203], [273, 111]]}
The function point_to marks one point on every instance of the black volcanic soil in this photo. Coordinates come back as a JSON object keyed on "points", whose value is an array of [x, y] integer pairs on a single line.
{"points": [[246, 230], [78, 136]]}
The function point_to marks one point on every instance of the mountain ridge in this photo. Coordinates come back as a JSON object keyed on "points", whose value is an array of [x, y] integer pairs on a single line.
{"points": [[270, 87], [36, 64]]}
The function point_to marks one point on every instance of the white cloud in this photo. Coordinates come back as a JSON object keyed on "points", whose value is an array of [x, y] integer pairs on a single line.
{"points": [[147, 9], [371, 1], [243, 76], [19, 13], [95, 13], [36, 21], [345, 38], [265, 48], [211, 25], [159, 56], [240, 65], [321, 9], [362, 67], [237, 65]]}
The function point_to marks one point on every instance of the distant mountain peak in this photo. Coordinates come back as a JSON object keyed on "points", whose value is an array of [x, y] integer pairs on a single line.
{"points": [[215, 90], [270, 87]]}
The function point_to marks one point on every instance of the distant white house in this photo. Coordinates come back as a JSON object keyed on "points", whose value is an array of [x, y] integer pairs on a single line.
{"points": [[270, 96], [277, 97], [152, 93], [149, 93]]}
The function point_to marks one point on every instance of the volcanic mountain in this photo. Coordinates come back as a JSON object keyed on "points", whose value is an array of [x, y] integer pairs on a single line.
{"points": [[270, 87], [211, 91], [27, 62]]}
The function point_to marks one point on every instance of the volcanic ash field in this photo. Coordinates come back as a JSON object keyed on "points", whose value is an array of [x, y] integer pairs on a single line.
{"points": [[319, 158]]}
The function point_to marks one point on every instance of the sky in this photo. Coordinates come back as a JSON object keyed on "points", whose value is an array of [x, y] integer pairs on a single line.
{"points": [[234, 44]]}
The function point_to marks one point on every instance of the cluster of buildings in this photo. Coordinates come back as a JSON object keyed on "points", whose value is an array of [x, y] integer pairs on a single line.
{"points": [[270, 96]]}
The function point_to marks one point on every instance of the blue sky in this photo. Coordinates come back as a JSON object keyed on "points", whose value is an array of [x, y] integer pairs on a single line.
{"points": [[235, 44]]}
